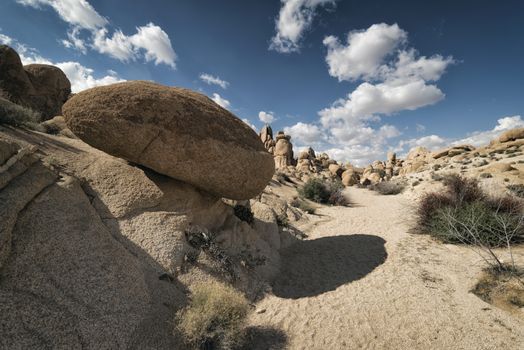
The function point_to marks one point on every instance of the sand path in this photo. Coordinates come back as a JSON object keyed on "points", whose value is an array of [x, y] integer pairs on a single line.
{"points": [[361, 281]]}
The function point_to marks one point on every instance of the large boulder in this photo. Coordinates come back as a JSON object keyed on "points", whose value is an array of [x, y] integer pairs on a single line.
{"points": [[41, 87], [512, 135], [174, 131], [51, 89]]}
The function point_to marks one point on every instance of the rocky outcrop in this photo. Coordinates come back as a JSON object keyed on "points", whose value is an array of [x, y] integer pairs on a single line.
{"points": [[174, 131], [511, 135], [283, 152], [40, 87], [91, 247], [266, 136]]}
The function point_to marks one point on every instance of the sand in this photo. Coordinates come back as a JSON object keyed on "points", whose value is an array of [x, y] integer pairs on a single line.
{"points": [[361, 281]]}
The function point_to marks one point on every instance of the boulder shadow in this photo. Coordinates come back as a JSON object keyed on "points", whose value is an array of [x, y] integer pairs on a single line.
{"points": [[264, 338], [313, 267]]}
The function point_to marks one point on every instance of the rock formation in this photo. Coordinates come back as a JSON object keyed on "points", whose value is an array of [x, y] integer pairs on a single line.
{"points": [[283, 152], [43, 88], [174, 131], [266, 136]]}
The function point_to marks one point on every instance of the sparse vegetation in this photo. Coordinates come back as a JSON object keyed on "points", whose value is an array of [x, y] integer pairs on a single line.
{"points": [[244, 213], [503, 288], [388, 187], [517, 190], [465, 214], [303, 205], [214, 318], [325, 192], [19, 116]]}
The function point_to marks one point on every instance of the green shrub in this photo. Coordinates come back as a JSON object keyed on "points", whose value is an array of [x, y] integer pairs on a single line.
{"points": [[215, 316], [465, 214], [388, 187], [517, 190], [329, 192], [244, 213], [18, 116], [474, 223]]}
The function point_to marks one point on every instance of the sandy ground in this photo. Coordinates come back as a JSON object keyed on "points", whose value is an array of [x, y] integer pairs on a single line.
{"points": [[361, 281]]}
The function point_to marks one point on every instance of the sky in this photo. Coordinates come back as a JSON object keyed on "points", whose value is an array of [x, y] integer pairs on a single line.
{"points": [[352, 78]]}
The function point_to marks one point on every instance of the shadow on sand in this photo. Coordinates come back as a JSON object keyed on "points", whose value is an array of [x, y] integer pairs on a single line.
{"points": [[317, 266]]}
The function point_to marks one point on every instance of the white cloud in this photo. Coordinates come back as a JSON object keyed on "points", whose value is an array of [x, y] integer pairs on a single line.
{"points": [[394, 79], [305, 134], [480, 138], [294, 18], [150, 42], [266, 117], [81, 77], [212, 80], [221, 101], [365, 51], [78, 13]]}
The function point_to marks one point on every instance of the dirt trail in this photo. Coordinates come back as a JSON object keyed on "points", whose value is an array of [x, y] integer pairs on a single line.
{"points": [[361, 281]]}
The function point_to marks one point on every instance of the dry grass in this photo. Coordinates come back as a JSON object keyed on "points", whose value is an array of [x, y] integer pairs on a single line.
{"points": [[214, 318], [504, 289], [18, 116], [388, 187]]}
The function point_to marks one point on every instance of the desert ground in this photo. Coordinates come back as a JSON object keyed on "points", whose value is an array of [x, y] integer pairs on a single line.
{"points": [[361, 281]]}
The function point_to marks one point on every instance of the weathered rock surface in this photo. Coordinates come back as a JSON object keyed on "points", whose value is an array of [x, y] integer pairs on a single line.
{"points": [[43, 88], [90, 246], [174, 131], [512, 135]]}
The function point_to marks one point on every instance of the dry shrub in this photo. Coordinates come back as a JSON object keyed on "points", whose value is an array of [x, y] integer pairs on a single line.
{"points": [[325, 192], [502, 288], [388, 187], [18, 116], [214, 318], [465, 214], [517, 190]]}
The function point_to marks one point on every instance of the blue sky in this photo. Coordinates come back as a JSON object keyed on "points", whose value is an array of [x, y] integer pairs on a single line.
{"points": [[353, 78]]}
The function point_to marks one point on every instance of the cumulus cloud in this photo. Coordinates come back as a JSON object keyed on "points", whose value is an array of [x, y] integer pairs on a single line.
{"points": [[305, 134], [266, 117], [212, 80], [150, 42], [81, 77], [480, 138], [364, 53], [78, 13], [222, 102], [294, 18], [393, 78]]}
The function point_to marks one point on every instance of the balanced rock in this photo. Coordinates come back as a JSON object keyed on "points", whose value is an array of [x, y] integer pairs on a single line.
{"points": [[174, 131]]}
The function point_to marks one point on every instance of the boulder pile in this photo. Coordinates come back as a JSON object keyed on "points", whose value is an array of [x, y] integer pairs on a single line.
{"points": [[40, 87]]}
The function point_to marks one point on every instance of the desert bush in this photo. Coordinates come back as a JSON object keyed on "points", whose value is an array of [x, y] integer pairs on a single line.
{"points": [[215, 316], [201, 240], [388, 187], [517, 190], [465, 214], [328, 192], [19, 116], [244, 213]]}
